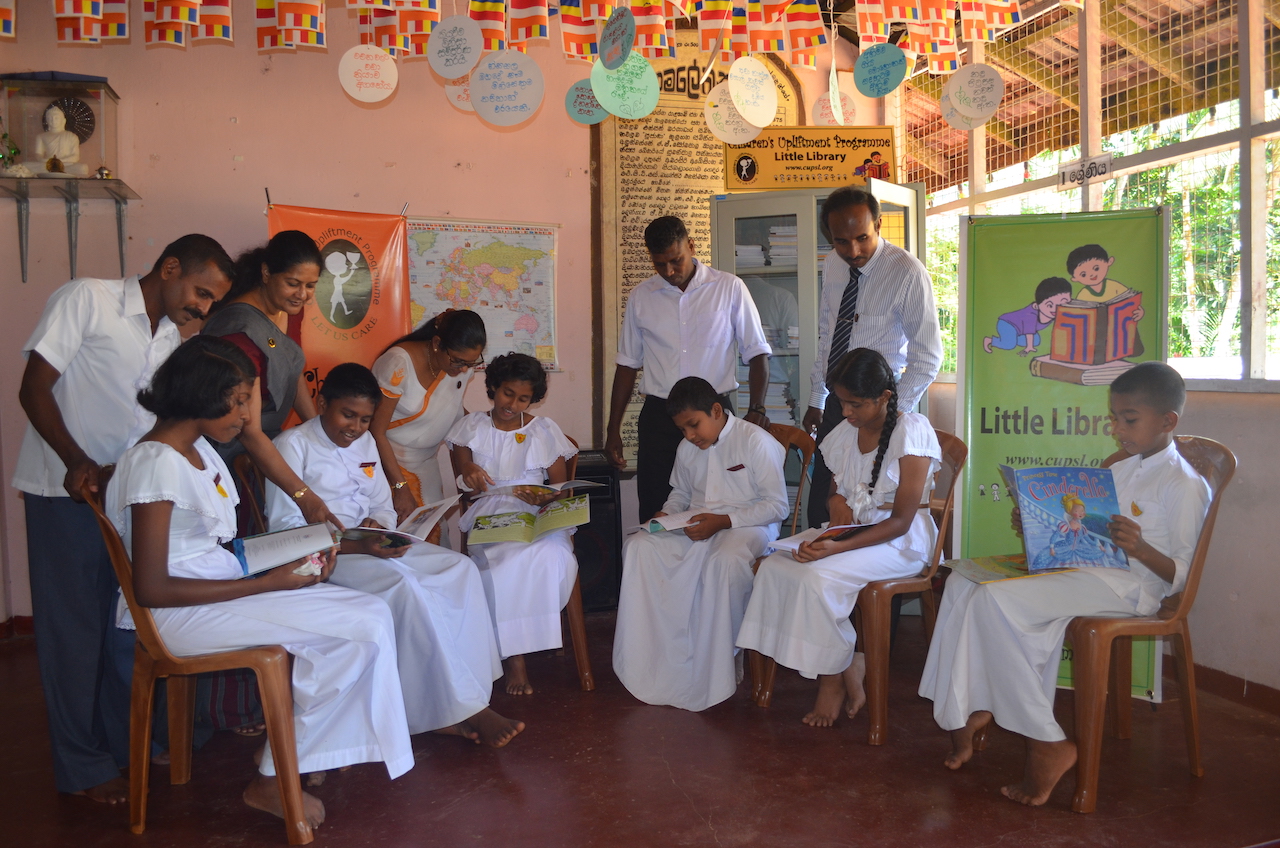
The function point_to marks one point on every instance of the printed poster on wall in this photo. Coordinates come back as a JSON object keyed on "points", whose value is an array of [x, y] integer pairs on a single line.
{"points": [[1056, 307], [782, 158], [362, 300]]}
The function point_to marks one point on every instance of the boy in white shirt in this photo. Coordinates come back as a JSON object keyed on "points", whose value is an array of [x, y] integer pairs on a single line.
{"points": [[684, 592], [448, 658], [995, 647]]}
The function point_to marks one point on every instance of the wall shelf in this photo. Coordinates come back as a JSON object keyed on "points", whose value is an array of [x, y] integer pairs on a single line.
{"points": [[71, 191]]}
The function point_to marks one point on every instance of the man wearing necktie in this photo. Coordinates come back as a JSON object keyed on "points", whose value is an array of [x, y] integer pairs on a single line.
{"points": [[874, 295]]}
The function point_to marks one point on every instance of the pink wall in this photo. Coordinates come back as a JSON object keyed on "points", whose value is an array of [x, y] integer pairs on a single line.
{"points": [[203, 130]]}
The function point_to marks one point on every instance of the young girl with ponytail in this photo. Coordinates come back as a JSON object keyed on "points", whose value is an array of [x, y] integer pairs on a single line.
{"points": [[883, 462]]}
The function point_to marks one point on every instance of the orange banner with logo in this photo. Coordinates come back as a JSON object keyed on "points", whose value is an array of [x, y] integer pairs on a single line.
{"points": [[362, 299]]}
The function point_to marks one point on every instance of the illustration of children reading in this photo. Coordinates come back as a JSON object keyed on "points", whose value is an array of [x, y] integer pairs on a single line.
{"points": [[1071, 543], [1088, 266], [342, 266], [1023, 326], [878, 168], [861, 170]]}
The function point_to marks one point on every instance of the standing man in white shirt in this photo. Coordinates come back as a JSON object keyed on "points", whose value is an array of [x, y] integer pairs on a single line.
{"points": [[96, 343], [874, 295], [687, 320]]}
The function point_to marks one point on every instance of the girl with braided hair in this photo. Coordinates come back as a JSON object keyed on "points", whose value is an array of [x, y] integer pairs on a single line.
{"points": [[883, 462]]}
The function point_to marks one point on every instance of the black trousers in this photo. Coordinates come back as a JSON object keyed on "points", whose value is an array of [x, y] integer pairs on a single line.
{"points": [[658, 439], [85, 661], [820, 485]]}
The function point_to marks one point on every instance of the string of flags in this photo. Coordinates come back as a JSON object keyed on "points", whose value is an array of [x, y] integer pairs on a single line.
{"points": [[791, 29]]}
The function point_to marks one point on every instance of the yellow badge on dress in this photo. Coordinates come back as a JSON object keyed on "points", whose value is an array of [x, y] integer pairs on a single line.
{"points": [[397, 376], [1135, 509], [217, 484], [519, 438], [271, 342], [367, 468]]}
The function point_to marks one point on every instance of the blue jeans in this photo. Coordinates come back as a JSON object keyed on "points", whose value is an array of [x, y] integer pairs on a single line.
{"points": [[1007, 337]]}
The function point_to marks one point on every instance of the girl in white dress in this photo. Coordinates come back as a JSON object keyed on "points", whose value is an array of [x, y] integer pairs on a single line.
{"points": [[883, 464], [424, 375], [173, 502], [527, 584]]}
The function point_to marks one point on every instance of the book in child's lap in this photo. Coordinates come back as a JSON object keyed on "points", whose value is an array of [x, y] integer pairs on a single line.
{"points": [[531, 525], [1065, 512], [991, 569], [840, 532], [269, 550], [413, 529]]}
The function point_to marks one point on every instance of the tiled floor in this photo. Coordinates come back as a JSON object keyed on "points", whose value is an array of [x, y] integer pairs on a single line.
{"points": [[601, 769]]}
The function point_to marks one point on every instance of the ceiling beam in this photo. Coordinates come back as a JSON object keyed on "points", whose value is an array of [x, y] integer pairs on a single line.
{"points": [[1147, 47]]}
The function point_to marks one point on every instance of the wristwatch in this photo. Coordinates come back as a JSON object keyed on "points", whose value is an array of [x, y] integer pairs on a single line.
{"points": [[758, 409], [399, 485], [297, 496]]}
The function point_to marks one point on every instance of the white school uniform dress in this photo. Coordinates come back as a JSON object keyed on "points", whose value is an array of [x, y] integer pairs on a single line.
{"points": [[527, 584], [682, 601], [347, 706], [799, 611], [996, 645], [444, 641]]}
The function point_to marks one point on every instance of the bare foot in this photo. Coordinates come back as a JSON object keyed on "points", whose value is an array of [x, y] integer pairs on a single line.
{"points": [[114, 791], [856, 693], [1047, 762], [493, 729], [962, 740], [517, 676], [986, 344], [262, 793], [463, 729], [826, 709]]}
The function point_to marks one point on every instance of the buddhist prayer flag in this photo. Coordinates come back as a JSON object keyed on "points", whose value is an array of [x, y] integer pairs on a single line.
{"points": [[77, 30], [578, 36], [115, 20], [651, 29], [597, 10], [805, 30], [530, 21], [1002, 14], [765, 37], [873, 27], [492, 17], [714, 21], [386, 31], [946, 59], [774, 10], [267, 31], [8, 18], [161, 32], [902, 10], [77, 9], [178, 11], [973, 21]]}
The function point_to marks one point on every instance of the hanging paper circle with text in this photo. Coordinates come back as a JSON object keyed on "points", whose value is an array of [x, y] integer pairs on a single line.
{"points": [[617, 38], [455, 46], [459, 93], [368, 73], [976, 91], [724, 119], [954, 119], [754, 93], [581, 104], [824, 116], [506, 88], [880, 69], [629, 92]]}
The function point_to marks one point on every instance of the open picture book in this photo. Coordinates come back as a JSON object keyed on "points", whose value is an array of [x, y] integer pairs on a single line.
{"points": [[528, 526], [415, 528], [992, 569], [268, 550], [537, 488], [1065, 512]]}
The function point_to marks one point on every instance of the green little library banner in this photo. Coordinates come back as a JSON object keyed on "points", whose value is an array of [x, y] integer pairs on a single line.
{"points": [[1054, 308]]}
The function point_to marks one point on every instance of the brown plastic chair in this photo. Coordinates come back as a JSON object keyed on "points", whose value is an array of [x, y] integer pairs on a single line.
{"points": [[1103, 646], [791, 438], [572, 610], [876, 599], [152, 660]]}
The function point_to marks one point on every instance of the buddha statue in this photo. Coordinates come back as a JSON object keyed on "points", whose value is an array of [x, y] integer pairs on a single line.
{"points": [[57, 150]]}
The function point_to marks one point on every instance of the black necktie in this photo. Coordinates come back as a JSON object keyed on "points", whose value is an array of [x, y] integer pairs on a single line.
{"points": [[844, 320]]}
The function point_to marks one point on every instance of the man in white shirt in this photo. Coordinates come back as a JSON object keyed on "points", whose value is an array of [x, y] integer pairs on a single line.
{"points": [[874, 295], [687, 320], [96, 344]]}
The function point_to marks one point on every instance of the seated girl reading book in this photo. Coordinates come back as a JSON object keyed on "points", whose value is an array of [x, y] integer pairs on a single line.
{"points": [[528, 583], [882, 462], [173, 501]]}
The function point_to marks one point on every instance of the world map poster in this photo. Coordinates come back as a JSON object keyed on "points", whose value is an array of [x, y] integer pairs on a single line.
{"points": [[504, 272]]}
